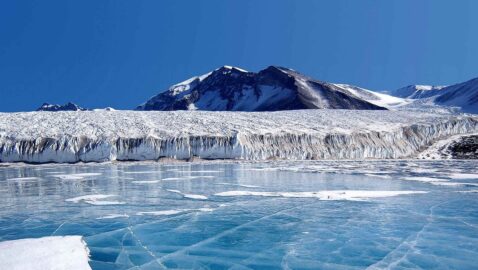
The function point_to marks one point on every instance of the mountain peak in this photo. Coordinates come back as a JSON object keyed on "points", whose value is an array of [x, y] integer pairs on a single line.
{"points": [[275, 88]]}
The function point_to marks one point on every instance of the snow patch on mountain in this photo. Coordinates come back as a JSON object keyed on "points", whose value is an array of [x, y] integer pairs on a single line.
{"points": [[417, 91], [379, 99]]}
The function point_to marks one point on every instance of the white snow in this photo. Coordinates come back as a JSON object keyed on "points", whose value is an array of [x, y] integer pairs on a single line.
{"points": [[183, 88], [231, 67], [47, 253], [417, 91], [297, 135], [352, 195], [427, 87], [379, 99]]}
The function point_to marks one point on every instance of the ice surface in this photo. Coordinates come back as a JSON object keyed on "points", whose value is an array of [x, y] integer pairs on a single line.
{"points": [[356, 195], [395, 214], [46, 253]]}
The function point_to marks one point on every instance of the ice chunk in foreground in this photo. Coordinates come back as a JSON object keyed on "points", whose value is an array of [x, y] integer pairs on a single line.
{"points": [[46, 253]]}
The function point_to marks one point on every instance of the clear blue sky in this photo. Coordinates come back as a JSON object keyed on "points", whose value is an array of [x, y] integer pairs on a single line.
{"points": [[117, 53]]}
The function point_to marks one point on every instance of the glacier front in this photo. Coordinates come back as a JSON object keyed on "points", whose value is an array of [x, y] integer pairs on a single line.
{"points": [[41, 137]]}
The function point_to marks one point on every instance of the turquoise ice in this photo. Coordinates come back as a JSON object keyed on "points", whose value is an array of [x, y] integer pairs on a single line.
{"points": [[268, 215]]}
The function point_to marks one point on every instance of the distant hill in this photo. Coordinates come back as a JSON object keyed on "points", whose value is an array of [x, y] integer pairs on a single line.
{"points": [[55, 107]]}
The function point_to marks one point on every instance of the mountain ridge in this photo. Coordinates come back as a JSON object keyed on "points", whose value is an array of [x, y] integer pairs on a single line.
{"points": [[463, 96]]}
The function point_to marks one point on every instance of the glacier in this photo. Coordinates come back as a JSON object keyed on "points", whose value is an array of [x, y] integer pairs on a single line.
{"points": [[86, 136]]}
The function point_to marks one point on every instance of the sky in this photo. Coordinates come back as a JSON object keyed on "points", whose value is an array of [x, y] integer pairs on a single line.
{"points": [[118, 53]]}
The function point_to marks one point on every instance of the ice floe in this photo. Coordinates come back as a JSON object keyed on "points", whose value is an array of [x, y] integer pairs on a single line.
{"points": [[46, 253], [95, 199], [189, 196], [111, 216], [146, 182], [463, 176], [76, 176], [424, 179], [238, 185]]}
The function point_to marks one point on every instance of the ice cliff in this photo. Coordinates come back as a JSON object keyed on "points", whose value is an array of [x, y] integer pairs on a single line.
{"points": [[303, 134]]}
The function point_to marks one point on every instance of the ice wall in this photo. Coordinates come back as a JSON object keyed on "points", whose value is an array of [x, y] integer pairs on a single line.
{"points": [[314, 134]]}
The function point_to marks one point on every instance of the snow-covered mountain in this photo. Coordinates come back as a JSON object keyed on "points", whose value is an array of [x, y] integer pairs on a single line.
{"points": [[56, 108], [462, 96], [272, 89]]}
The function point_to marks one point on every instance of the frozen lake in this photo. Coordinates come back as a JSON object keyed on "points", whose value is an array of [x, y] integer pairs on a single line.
{"points": [[270, 215]]}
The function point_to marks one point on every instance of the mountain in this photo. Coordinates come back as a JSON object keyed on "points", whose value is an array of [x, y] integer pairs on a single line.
{"points": [[464, 95], [272, 89], [55, 107], [417, 91]]}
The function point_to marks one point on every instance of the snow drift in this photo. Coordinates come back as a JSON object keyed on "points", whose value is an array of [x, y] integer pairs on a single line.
{"points": [[295, 135]]}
